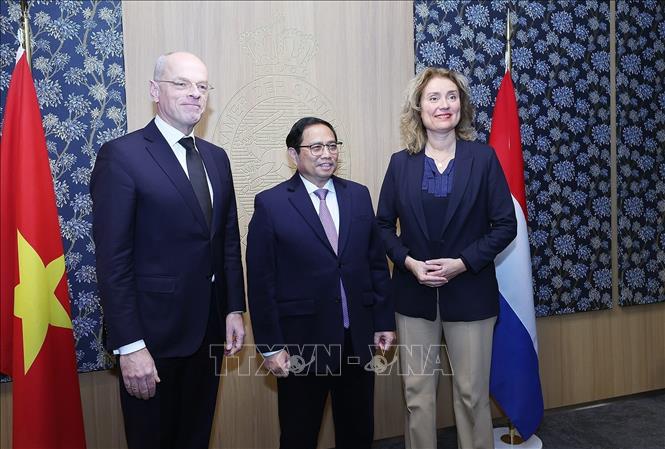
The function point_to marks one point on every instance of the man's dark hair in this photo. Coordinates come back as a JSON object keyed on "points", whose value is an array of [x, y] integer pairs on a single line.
{"points": [[294, 139]]}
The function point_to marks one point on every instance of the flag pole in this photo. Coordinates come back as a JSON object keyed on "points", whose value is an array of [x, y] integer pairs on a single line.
{"points": [[24, 35], [507, 55], [514, 378], [512, 437]]}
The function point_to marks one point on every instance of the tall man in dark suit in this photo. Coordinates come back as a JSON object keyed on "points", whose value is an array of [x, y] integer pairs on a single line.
{"points": [[317, 278], [168, 262]]}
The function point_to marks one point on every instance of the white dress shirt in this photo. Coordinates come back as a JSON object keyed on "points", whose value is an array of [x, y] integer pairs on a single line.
{"points": [[331, 199], [172, 137]]}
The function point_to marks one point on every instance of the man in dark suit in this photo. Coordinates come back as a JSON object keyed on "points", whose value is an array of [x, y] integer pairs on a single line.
{"points": [[317, 278], [168, 262]]}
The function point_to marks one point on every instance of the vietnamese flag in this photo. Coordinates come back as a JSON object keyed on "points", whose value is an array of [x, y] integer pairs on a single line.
{"points": [[36, 338]]}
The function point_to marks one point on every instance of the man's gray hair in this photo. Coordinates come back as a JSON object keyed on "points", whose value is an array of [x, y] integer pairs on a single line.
{"points": [[159, 65]]}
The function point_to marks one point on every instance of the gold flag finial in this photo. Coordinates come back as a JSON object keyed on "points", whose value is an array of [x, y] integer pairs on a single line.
{"points": [[24, 34], [507, 56]]}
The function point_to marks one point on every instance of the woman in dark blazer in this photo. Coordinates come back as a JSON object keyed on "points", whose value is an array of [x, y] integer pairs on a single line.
{"points": [[455, 215]]}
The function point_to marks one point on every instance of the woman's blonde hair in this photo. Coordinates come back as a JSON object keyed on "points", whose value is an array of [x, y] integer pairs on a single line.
{"points": [[414, 135]]}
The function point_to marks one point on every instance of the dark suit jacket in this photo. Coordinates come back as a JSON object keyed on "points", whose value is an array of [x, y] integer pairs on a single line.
{"points": [[155, 253], [293, 273], [480, 222]]}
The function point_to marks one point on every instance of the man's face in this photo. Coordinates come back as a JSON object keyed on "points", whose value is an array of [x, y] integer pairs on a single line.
{"points": [[316, 169], [182, 104]]}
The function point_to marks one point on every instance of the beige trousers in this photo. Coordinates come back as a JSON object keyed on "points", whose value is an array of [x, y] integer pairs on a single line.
{"points": [[469, 349]]}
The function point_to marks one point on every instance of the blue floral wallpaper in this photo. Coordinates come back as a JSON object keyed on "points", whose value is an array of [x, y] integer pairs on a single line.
{"points": [[641, 150], [78, 67], [561, 69]]}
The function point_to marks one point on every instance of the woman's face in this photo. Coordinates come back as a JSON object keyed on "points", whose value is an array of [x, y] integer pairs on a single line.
{"points": [[440, 105]]}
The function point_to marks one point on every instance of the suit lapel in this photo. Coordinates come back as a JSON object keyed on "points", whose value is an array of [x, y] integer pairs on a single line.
{"points": [[463, 163], [162, 154], [414, 176], [303, 204], [215, 180], [344, 204]]}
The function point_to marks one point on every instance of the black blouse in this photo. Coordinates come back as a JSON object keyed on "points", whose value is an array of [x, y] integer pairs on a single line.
{"points": [[436, 188]]}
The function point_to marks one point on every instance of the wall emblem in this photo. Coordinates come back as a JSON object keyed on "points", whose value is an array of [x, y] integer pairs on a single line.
{"points": [[254, 123]]}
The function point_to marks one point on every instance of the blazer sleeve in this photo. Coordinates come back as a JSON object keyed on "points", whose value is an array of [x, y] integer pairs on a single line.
{"points": [[261, 276], [387, 215], [235, 282], [113, 205], [384, 309], [503, 224]]}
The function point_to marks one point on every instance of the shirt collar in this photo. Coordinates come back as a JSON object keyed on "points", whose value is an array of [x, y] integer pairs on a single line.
{"points": [[171, 134], [330, 185]]}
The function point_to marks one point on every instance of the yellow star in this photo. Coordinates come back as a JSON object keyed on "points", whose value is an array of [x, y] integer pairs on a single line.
{"points": [[35, 301]]}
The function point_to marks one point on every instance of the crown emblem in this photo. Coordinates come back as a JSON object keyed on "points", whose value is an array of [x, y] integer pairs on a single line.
{"points": [[279, 51]]}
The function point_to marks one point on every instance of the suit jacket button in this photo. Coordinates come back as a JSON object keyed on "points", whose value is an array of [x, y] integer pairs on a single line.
{"points": [[338, 300]]}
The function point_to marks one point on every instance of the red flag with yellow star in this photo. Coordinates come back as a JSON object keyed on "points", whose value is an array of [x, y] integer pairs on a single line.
{"points": [[36, 339]]}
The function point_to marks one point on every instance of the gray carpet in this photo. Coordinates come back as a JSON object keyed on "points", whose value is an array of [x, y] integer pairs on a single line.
{"points": [[631, 422]]}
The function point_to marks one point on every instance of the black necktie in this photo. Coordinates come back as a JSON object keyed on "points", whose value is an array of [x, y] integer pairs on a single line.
{"points": [[197, 176]]}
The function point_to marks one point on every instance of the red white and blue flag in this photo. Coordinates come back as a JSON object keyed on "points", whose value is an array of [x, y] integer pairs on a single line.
{"points": [[514, 379]]}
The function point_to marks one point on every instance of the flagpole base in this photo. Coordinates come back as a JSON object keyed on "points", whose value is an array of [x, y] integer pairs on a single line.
{"points": [[502, 440]]}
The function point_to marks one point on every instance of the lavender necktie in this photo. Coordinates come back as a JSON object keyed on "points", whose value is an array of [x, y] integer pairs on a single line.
{"points": [[331, 233]]}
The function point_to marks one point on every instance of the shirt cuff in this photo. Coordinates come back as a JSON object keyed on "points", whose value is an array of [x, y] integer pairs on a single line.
{"points": [[128, 349], [270, 353]]}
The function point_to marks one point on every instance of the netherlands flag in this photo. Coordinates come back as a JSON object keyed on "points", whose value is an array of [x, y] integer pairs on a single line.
{"points": [[514, 379]]}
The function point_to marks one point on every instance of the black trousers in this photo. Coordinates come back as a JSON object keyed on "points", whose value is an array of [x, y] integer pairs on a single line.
{"points": [[302, 400], [180, 414]]}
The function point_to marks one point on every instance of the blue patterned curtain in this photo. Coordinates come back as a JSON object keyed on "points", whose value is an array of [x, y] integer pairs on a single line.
{"points": [[561, 68], [641, 150], [78, 67]]}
